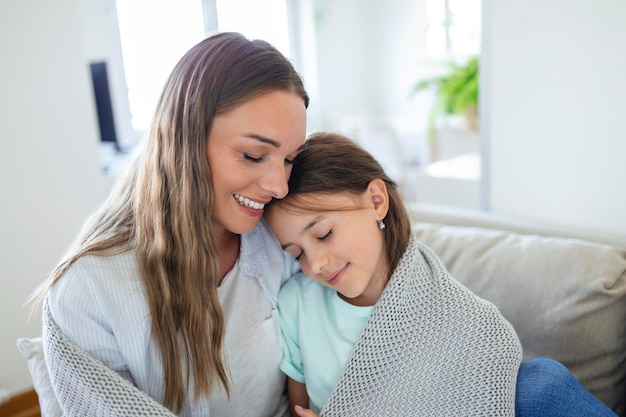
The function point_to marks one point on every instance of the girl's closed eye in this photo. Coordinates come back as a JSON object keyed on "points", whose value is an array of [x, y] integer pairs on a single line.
{"points": [[326, 236], [296, 252]]}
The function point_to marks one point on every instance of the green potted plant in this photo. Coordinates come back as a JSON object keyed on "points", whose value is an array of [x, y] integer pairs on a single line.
{"points": [[456, 92]]}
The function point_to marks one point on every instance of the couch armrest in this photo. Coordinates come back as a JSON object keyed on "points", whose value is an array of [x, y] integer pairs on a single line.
{"points": [[454, 216], [565, 296]]}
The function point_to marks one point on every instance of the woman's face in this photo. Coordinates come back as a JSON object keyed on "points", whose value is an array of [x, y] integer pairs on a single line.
{"points": [[250, 152], [343, 249]]}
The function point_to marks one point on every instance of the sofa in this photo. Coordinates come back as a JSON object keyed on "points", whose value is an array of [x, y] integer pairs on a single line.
{"points": [[563, 290]]}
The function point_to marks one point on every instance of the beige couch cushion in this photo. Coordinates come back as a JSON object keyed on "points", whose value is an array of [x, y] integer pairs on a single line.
{"points": [[566, 298]]}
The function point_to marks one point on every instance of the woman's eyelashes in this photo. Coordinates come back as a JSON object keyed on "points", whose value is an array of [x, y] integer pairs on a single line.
{"points": [[256, 160], [251, 158]]}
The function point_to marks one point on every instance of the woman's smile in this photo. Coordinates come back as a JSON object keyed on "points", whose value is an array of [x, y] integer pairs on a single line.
{"points": [[249, 203]]}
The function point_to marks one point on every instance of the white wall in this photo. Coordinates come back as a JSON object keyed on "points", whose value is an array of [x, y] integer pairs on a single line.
{"points": [[369, 56], [555, 110], [49, 165]]}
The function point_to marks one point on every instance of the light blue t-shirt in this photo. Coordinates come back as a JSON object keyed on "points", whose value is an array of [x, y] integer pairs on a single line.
{"points": [[319, 331]]}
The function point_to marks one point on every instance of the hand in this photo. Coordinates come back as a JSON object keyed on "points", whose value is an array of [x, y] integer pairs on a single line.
{"points": [[304, 412]]}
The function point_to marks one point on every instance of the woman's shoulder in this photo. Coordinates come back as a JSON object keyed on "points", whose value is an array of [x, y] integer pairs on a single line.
{"points": [[262, 248], [97, 285], [261, 241], [120, 268], [262, 234], [100, 304]]}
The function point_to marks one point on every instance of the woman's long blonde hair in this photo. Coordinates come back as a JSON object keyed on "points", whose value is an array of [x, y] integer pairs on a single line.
{"points": [[161, 207]]}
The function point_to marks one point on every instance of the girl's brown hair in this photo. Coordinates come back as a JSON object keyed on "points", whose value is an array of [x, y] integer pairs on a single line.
{"points": [[331, 163], [161, 207]]}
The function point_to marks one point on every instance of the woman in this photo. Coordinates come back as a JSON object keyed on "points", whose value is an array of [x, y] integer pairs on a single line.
{"points": [[173, 281]]}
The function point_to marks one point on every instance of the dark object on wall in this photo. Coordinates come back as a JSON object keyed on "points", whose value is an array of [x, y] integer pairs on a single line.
{"points": [[102, 95]]}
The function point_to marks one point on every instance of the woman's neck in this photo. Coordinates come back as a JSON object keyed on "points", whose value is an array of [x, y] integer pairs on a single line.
{"points": [[228, 245]]}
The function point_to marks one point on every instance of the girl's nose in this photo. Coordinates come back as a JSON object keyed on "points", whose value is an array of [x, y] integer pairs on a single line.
{"points": [[319, 263]]}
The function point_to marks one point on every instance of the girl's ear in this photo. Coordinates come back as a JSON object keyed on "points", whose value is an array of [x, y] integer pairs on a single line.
{"points": [[377, 190]]}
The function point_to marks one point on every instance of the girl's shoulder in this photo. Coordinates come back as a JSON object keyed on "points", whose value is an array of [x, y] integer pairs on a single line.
{"points": [[300, 287]]}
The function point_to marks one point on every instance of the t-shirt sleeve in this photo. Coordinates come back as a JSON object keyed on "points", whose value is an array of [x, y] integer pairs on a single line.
{"points": [[288, 301]]}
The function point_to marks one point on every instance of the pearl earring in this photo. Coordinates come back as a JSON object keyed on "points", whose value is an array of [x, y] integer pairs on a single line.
{"points": [[381, 224]]}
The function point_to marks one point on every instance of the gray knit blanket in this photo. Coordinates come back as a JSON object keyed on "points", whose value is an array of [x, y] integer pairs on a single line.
{"points": [[430, 348], [84, 386]]}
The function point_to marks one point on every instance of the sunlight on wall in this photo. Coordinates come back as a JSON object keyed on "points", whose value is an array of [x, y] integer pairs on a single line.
{"points": [[154, 35], [454, 28], [253, 23]]}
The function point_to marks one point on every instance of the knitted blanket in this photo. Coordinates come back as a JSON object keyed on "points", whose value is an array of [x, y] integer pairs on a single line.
{"points": [[84, 386], [430, 348]]}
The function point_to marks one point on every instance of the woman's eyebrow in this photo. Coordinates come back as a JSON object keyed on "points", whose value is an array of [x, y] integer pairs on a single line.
{"points": [[263, 139], [272, 141]]}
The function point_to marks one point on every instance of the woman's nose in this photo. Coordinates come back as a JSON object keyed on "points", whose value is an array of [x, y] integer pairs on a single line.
{"points": [[275, 180]]}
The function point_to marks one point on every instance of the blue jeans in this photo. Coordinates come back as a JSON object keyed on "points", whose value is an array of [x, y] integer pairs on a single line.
{"points": [[546, 388]]}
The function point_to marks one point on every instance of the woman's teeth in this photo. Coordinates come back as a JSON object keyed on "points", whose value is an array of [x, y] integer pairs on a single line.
{"points": [[244, 201]]}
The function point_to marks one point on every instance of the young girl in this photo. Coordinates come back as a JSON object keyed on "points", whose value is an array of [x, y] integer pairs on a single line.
{"points": [[375, 325]]}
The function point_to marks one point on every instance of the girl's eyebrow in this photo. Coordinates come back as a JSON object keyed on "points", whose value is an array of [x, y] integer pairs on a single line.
{"points": [[306, 228]]}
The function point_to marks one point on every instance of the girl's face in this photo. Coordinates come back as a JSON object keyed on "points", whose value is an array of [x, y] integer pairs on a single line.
{"points": [[342, 248], [250, 152]]}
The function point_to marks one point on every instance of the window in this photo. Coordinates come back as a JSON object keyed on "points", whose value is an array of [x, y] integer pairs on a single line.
{"points": [[154, 35], [267, 20], [453, 28]]}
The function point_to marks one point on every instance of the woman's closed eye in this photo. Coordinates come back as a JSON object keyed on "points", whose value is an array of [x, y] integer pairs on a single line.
{"points": [[256, 160], [251, 158]]}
